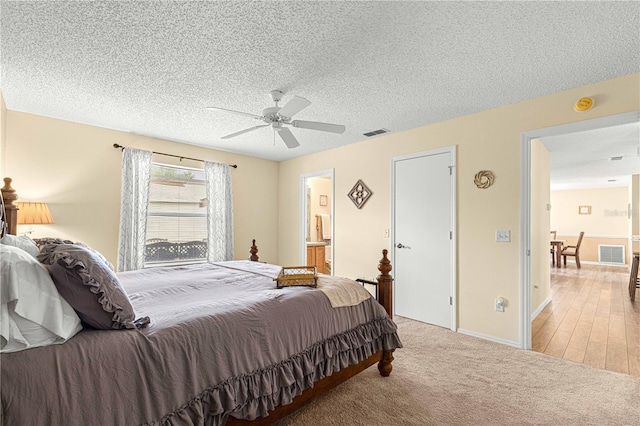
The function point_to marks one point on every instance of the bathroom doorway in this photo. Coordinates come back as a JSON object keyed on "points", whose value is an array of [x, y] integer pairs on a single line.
{"points": [[317, 212]]}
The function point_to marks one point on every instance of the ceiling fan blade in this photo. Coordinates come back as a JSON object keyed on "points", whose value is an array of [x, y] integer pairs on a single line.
{"points": [[259, 117], [233, 135], [294, 106], [315, 125], [287, 137]]}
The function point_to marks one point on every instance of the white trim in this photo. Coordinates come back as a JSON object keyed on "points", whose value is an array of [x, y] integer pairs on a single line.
{"points": [[619, 237], [451, 150], [490, 338], [544, 304], [525, 202], [302, 240], [525, 241], [591, 262]]}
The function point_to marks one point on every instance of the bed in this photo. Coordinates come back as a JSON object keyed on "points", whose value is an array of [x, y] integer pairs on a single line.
{"points": [[222, 345]]}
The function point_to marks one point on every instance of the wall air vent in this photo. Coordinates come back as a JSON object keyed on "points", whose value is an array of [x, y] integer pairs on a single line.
{"points": [[376, 132], [615, 158], [611, 254]]}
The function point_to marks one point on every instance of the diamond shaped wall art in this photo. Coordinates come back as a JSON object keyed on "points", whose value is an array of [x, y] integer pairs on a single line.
{"points": [[359, 194]]}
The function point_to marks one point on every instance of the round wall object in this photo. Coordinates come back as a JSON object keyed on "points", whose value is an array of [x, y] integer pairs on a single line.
{"points": [[484, 179], [583, 105]]}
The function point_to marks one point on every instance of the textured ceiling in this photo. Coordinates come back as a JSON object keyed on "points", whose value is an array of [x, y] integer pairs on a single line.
{"points": [[151, 68], [584, 159]]}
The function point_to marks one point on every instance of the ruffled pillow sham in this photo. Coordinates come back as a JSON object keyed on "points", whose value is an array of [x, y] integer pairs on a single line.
{"points": [[48, 245], [92, 288]]}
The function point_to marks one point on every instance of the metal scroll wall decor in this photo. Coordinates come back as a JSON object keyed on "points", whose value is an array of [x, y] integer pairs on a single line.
{"points": [[359, 194], [484, 179]]}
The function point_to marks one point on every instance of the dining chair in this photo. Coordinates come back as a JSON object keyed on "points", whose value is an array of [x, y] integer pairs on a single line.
{"points": [[572, 251], [553, 248]]}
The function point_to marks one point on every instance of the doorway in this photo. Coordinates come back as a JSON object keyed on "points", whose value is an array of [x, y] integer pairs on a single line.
{"points": [[316, 220], [527, 232], [423, 236]]}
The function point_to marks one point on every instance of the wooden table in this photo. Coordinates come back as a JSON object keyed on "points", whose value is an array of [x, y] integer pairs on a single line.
{"points": [[556, 245]]}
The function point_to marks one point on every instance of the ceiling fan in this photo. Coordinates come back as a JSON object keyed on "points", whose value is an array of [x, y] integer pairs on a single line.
{"points": [[278, 118]]}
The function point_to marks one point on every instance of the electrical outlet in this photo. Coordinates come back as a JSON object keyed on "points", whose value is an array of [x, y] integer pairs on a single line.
{"points": [[499, 304], [503, 235]]}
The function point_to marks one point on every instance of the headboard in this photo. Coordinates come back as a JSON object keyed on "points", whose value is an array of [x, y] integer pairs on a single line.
{"points": [[9, 211]]}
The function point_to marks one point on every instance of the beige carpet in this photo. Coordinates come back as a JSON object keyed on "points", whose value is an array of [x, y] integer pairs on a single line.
{"points": [[446, 378]]}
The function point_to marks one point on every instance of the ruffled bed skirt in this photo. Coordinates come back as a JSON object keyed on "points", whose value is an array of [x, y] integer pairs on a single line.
{"points": [[253, 395]]}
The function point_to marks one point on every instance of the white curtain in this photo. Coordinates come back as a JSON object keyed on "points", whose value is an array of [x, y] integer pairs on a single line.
{"points": [[219, 212], [136, 172]]}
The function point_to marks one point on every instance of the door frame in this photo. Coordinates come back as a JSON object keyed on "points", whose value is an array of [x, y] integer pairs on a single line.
{"points": [[526, 288], [302, 239], [454, 246]]}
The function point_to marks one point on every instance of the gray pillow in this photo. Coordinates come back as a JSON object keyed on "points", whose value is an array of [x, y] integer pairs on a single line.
{"points": [[48, 248], [92, 289]]}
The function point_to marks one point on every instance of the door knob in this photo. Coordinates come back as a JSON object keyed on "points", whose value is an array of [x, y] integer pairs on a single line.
{"points": [[400, 245]]}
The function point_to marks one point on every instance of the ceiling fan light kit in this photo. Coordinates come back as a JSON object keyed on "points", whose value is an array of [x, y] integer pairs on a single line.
{"points": [[278, 117]]}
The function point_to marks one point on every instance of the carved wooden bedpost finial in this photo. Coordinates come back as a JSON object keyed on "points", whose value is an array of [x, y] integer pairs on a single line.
{"points": [[9, 196], [385, 281], [254, 251], [8, 193]]}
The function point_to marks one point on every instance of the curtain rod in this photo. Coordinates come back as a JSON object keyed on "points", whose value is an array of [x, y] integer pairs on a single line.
{"points": [[115, 145]]}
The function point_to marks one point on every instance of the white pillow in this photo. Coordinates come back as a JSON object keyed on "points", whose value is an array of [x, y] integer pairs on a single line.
{"points": [[32, 312], [23, 242]]}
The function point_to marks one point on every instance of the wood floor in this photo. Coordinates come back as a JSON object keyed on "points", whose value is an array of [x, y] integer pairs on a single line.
{"points": [[591, 319]]}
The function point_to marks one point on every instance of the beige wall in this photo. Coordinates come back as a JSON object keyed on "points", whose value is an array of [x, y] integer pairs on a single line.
{"points": [[609, 207], [607, 224], [634, 200], [3, 135], [318, 186], [540, 219], [634, 222], [75, 169], [488, 140]]}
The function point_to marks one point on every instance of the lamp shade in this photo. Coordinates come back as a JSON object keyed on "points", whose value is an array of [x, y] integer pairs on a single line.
{"points": [[34, 214]]}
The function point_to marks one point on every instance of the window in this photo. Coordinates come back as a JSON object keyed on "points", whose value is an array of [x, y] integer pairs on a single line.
{"points": [[177, 216]]}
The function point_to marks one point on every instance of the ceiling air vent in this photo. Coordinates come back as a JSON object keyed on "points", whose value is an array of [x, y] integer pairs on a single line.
{"points": [[376, 132], [615, 158]]}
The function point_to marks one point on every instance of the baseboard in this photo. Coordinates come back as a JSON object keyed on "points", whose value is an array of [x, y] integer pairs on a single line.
{"points": [[491, 338], [540, 308], [590, 262]]}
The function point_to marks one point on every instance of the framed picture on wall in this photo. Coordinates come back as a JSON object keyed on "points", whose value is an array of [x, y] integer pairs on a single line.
{"points": [[584, 209], [324, 200]]}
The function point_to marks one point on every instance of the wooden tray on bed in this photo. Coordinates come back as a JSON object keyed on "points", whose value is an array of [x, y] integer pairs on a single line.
{"points": [[291, 276]]}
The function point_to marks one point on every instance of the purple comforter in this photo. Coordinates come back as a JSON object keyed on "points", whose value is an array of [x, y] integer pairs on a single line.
{"points": [[222, 341]]}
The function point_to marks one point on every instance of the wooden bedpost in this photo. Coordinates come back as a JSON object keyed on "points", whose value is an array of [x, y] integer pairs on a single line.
{"points": [[254, 252], [9, 196], [385, 294], [385, 281]]}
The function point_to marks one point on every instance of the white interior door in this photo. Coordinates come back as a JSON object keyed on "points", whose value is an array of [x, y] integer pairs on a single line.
{"points": [[423, 236]]}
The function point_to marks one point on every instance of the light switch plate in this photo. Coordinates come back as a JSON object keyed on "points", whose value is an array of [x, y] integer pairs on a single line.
{"points": [[503, 235]]}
